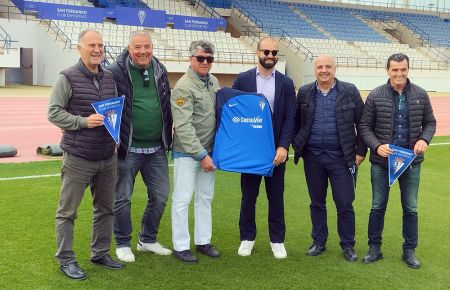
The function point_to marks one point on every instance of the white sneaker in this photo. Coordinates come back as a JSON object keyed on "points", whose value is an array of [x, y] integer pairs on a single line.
{"points": [[155, 248], [245, 249], [278, 250], [125, 254]]}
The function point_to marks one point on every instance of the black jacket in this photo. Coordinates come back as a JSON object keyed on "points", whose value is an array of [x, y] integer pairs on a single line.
{"points": [[121, 72], [284, 104], [349, 109], [378, 119]]}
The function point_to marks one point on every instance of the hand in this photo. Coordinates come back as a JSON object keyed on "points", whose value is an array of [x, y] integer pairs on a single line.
{"points": [[384, 150], [95, 120], [420, 147], [280, 156], [359, 159], [207, 164]]}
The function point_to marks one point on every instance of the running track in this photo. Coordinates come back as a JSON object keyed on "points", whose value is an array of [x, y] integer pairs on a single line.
{"points": [[24, 124]]}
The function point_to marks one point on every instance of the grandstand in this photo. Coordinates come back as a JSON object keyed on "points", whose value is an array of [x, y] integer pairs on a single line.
{"points": [[359, 37]]}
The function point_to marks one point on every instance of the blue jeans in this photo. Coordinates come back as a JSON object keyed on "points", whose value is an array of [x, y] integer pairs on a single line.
{"points": [[155, 173], [409, 187]]}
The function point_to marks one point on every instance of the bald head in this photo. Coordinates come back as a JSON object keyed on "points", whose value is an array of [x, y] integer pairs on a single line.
{"points": [[325, 58], [325, 70]]}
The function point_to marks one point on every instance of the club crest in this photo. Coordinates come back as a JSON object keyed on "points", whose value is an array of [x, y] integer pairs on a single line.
{"points": [[262, 104], [112, 118], [141, 16]]}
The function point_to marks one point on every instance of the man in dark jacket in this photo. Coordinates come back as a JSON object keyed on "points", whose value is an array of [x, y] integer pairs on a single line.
{"points": [[89, 153], [397, 113], [328, 115], [279, 91], [145, 138]]}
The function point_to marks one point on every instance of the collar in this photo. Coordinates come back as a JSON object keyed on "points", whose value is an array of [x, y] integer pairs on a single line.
{"points": [[88, 73], [405, 88], [259, 73], [138, 67], [327, 92], [200, 81]]}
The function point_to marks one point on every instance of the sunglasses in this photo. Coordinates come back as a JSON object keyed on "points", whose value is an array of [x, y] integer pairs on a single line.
{"points": [[201, 59], [267, 52]]}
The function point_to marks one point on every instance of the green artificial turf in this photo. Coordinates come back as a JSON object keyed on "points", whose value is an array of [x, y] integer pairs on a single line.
{"points": [[27, 238]]}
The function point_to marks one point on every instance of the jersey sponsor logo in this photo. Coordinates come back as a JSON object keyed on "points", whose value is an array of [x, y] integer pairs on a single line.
{"points": [[255, 122], [232, 105]]}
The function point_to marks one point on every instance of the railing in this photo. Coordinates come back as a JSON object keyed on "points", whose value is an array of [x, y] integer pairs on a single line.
{"points": [[425, 39], [361, 62], [5, 38], [255, 34], [439, 7], [11, 11], [422, 36], [59, 33], [172, 54], [208, 11]]}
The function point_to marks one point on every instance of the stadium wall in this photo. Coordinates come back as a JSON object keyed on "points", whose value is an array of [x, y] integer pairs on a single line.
{"points": [[49, 58]]}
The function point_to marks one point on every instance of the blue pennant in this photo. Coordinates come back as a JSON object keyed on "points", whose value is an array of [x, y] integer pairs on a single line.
{"points": [[112, 110], [398, 161]]}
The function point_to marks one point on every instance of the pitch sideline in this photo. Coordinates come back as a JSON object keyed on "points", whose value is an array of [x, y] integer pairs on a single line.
{"points": [[170, 165]]}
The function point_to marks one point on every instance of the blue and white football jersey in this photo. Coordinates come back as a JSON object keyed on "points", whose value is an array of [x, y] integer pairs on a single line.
{"points": [[244, 139]]}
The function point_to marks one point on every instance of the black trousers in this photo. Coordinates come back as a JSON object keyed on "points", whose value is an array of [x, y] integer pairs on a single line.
{"points": [[318, 170], [275, 190]]}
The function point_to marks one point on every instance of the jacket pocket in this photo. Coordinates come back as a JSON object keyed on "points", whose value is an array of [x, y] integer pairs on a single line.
{"points": [[348, 112]]}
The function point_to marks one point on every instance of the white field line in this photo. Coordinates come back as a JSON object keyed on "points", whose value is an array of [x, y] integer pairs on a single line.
{"points": [[170, 165]]}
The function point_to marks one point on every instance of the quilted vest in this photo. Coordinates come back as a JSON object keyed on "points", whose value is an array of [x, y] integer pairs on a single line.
{"points": [[89, 143]]}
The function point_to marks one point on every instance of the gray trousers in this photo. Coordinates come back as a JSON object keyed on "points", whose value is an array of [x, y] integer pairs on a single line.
{"points": [[76, 174]]}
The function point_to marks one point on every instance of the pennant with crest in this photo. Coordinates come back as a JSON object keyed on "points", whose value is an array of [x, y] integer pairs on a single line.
{"points": [[112, 110], [398, 162]]}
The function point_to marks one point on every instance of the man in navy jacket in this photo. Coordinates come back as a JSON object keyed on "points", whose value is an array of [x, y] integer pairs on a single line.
{"points": [[327, 138], [280, 92]]}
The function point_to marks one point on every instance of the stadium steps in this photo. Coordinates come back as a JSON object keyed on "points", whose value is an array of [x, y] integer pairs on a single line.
{"points": [[310, 21], [377, 28]]}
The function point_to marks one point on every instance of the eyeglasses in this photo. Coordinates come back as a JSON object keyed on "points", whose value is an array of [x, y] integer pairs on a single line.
{"points": [[201, 59], [267, 52]]}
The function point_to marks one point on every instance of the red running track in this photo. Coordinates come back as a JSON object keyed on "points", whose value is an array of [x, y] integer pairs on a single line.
{"points": [[24, 124]]}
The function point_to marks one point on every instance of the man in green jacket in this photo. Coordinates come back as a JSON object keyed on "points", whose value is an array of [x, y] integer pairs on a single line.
{"points": [[193, 103]]}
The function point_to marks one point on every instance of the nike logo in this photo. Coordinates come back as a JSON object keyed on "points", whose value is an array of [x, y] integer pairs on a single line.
{"points": [[232, 105]]}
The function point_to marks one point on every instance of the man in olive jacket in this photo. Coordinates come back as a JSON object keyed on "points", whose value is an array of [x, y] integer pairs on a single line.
{"points": [[193, 104], [397, 113], [327, 138]]}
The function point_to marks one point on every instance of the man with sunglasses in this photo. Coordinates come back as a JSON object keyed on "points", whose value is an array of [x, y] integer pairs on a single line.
{"points": [[398, 113], [145, 138], [279, 91], [193, 107], [327, 119]]}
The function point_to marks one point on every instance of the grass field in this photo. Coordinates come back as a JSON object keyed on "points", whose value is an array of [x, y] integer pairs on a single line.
{"points": [[27, 238]]}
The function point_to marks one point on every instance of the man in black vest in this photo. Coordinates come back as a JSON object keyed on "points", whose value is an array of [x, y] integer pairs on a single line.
{"points": [[145, 138], [328, 114], [89, 153]]}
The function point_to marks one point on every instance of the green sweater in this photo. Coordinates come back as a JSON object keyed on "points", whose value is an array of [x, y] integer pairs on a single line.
{"points": [[147, 119]]}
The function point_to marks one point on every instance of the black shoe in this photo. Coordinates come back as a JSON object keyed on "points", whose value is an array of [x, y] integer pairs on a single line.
{"points": [[208, 250], [108, 262], [73, 271], [410, 259], [374, 254], [185, 256], [315, 250], [350, 254]]}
